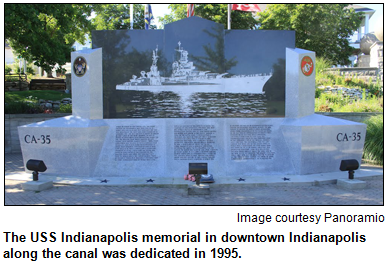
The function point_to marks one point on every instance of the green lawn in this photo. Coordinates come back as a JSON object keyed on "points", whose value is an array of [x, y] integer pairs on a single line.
{"points": [[35, 95]]}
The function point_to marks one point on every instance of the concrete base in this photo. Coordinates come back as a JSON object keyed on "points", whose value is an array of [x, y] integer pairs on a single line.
{"points": [[351, 184], [199, 189], [37, 185]]}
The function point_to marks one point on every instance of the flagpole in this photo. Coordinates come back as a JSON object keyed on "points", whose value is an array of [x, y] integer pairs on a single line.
{"points": [[229, 16], [131, 14]]}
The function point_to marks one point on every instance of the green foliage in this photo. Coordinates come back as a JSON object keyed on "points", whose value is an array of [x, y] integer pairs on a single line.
{"points": [[321, 64], [215, 60], [33, 96], [30, 69], [214, 12], [370, 105], [11, 78], [26, 102], [65, 109], [21, 108], [323, 28], [324, 78], [374, 140], [318, 92], [45, 33], [339, 103], [321, 76], [7, 69], [116, 16]]}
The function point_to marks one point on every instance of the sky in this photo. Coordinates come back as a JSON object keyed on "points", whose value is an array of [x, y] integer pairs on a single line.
{"points": [[379, 13], [162, 9]]}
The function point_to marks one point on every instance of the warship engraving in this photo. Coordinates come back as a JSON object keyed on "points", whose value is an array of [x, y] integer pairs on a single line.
{"points": [[184, 74]]}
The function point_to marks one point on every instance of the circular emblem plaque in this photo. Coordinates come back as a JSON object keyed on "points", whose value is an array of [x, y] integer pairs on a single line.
{"points": [[307, 65], [79, 66]]}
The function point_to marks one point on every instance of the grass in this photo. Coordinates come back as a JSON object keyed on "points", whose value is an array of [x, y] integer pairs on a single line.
{"points": [[34, 96], [26, 102], [374, 140], [339, 103]]}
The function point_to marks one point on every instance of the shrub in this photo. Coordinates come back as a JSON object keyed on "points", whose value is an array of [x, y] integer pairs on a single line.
{"points": [[373, 104], [318, 92], [11, 78], [374, 140], [324, 108], [21, 108], [67, 108], [30, 68], [7, 69]]}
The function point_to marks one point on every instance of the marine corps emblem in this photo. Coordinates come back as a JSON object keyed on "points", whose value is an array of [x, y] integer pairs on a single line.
{"points": [[79, 66], [307, 65]]}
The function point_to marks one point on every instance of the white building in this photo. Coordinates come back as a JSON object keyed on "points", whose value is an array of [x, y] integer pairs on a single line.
{"points": [[364, 27], [9, 57], [88, 44]]}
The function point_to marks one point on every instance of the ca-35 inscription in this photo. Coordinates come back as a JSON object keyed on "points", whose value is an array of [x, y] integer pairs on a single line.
{"points": [[42, 139], [343, 137]]}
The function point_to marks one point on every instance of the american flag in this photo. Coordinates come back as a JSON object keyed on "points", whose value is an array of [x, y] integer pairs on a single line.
{"points": [[246, 7], [190, 10]]}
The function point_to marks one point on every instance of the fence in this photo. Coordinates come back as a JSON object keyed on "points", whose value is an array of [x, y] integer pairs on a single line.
{"points": [[15, 82]]}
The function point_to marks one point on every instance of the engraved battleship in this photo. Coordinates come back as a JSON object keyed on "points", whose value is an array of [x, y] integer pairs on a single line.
{"points": [[184, 73]]}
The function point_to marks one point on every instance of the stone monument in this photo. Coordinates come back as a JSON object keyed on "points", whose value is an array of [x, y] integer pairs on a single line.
{"points": [[149, 103]]}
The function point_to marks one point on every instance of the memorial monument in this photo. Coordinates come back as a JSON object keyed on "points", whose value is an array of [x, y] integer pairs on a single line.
{"points": [[147, 103]]}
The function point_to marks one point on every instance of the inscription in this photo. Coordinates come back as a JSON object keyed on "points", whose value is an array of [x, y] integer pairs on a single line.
{"points": [[136, 143], [194, 142], [341, 137], [251, 142], [43, 139]]}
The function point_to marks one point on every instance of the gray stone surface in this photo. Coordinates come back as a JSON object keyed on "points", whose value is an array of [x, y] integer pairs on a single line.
{"points": [[317, 143], [366, 42], [351, 184], [148, 147], [234, 193], [300, 89], [37, 185], [364, 61], [68, 146], [87, 89], [198, 189]]}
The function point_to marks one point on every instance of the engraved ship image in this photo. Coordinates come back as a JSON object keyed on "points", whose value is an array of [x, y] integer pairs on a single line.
{"points": [[185, 74]]}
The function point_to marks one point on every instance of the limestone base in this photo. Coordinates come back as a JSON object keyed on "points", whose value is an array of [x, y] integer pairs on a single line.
{"points": [[37, 185], [199, 189], [351, 184]]}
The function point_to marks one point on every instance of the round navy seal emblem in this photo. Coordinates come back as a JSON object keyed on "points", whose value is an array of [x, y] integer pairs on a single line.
{"points": [[79, 66]]}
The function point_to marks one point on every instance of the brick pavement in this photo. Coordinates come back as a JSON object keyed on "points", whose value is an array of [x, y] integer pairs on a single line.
{"points": [[324, 194]]}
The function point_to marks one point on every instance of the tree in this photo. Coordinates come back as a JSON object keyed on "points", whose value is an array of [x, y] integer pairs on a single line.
{"points": [[116, 16], [323, 28], [45, 33], [215, 60], [214, 12]]}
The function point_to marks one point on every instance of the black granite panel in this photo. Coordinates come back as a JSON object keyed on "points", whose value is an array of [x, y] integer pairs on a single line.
{"points": [[193, 68]]}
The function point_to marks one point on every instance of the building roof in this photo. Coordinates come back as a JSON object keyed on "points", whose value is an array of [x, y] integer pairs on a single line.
{"points": [[364, 9]]}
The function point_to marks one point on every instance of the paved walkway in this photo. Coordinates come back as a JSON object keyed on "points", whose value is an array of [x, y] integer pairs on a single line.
{"points": [[320, 194]]}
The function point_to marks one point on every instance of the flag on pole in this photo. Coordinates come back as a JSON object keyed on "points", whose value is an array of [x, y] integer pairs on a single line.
{"points": [[148, 16], [246, 7], [190, 10]]}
